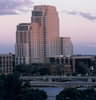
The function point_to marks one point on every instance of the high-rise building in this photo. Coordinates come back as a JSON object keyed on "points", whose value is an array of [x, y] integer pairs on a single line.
{"points": [[66, 46], [39, 40], [22, 46], [45, 33]]}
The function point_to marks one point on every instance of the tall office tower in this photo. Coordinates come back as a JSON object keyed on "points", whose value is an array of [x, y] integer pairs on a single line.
{"points": [[45, 33], [23, 35], [66, 46]]}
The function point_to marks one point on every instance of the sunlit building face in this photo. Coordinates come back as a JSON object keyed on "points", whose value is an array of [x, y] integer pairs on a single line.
{"points": [[45, 32], [39, 40]]}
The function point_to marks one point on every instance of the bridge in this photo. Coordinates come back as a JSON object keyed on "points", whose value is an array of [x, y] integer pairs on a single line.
{"points": [[62, 84], [58, 78], [60, 81]]}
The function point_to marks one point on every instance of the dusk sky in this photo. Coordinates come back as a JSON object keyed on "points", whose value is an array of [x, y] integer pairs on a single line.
{"points": [[77, 20]]}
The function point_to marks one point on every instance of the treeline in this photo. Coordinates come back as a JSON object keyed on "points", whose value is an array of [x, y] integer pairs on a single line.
{"points": [[32, 69], [13, 88], [77, 94], [39, 69], [55, 69]]}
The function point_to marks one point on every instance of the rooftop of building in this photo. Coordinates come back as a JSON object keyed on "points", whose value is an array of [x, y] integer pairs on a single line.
{"points": [[24, 24], [83, 56], [7, 54], [65, 37], [45, 6]]}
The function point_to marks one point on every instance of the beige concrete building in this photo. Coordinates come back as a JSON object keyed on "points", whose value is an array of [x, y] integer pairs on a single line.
{"points": [[22, 47], [7, 62], [66, 46], [39, 40], [45, 33]]}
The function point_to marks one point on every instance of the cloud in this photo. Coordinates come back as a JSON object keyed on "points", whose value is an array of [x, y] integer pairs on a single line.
{"points": [[11, 7], [86, 15]]}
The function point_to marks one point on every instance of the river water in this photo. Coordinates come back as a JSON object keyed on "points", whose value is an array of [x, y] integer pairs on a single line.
{"points": [[51, 92]]}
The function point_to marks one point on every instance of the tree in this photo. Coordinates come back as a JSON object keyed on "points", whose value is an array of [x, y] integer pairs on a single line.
{"points": [[23, 68], [2, 87], [34, 94], [82, 68], [13, 88], [76, 94], [89, 94], [43, 71], [68, 94]]}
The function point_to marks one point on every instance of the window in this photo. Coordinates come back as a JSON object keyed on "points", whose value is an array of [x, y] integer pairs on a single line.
{"points": [[36, 13], [22, 28]]}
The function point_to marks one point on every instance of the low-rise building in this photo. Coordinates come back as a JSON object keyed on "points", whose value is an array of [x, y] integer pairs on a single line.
{"points": [[7, 62], [62, 64], [75, 64], [81, 62]]}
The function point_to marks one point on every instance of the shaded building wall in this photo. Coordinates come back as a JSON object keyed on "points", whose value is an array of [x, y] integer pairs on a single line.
{"points": [[22, 47], [66, 46], [7, 63]]}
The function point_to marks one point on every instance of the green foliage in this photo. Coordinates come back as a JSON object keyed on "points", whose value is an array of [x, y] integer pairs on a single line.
{"points": [[32, 69], [68, 94], [34, 94], [12, 88], [89, 94], [23, 69], [82, 68], [43, 71], [76, 94]]}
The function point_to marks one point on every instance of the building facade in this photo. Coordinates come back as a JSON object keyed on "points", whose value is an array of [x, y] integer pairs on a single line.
{"points": [[39, 40], [78, 64], [22, 47], [45, 33], [66, 46], [7, 62], [82, 62]]}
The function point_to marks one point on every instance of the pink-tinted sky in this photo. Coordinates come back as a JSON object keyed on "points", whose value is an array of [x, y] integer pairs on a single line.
{"points": [[77, 20]]}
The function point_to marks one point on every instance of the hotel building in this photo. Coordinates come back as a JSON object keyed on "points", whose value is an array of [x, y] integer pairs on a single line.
{"points": [[39, 40], [22, 51], [45, 33]]}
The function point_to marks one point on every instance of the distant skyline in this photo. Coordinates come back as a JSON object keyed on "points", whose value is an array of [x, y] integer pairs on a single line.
{"points": [[77, 20]]}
